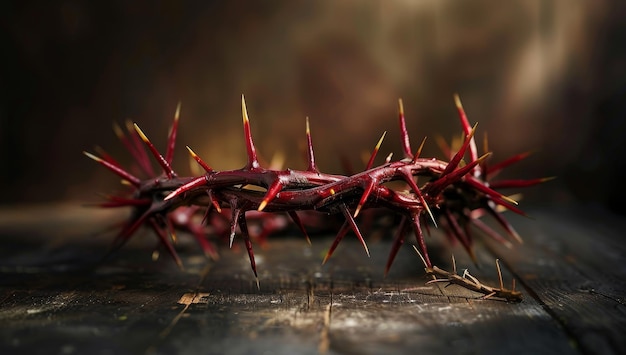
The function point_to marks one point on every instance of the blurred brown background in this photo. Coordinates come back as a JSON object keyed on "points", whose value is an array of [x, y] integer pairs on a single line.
{"points": [[537, 75]]}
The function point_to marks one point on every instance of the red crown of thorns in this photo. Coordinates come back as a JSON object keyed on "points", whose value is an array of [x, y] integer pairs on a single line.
{"points": [[454, 193]]}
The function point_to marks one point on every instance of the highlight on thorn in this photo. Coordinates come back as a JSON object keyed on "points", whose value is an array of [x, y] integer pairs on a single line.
{"points": [[199, 160], [253, 162]]}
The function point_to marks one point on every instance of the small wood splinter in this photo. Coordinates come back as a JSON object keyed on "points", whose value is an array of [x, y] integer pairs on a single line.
{"points": [[470, 282]]}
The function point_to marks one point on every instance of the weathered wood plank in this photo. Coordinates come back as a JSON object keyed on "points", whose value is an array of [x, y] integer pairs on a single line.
{"points": [[53, 301], [573, 263]]}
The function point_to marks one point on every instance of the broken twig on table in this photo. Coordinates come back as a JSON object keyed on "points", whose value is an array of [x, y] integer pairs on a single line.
{"points": [[470, 282]]}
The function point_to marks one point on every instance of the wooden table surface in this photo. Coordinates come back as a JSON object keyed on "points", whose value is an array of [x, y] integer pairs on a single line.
{"points": [[55, 298]]}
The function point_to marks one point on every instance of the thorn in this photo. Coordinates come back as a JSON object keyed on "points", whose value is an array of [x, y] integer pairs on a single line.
{"points": [[91, 156], [235, 213], [106, 156], [454, 265], [309, 143], [272, 191], [499, 274], [244, 110], [388, 158], [358, 209], [409, 179], [130, 228], [141, 134], [342, 233], [421, 257], [214, 201], [466, 127], [118, 131], [364, 197], [243, 226], [456, 159], [253, 161], [508, 199], [177, 113], [205, 216], [546, 179], [169, 227], [115, 169], [308, 128], [398, 240], [491, 233], [430, 213], [294, 216], [457, 101], [519, 183], [376, 148], [438, 185], [505, 163], [127, 231], [420, 238], [494, 195], [164, 164], [173, 235], [354, 227], [459, 234], [486, 297], [207, 248], [171, 140], [505, 224], [165, 241], [136, 150], [419, 151], [404, 134], [197, 182], [199, 160]]}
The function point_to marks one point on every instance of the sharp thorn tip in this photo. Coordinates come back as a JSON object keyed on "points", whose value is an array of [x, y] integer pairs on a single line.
{"points": [[457, 101]]}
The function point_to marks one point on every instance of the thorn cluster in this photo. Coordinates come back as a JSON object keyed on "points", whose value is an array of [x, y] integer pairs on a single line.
{"points": [[453, 194]]}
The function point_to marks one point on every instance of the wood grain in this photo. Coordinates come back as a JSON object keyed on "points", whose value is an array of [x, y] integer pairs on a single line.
{"points": [[55, 299]]}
